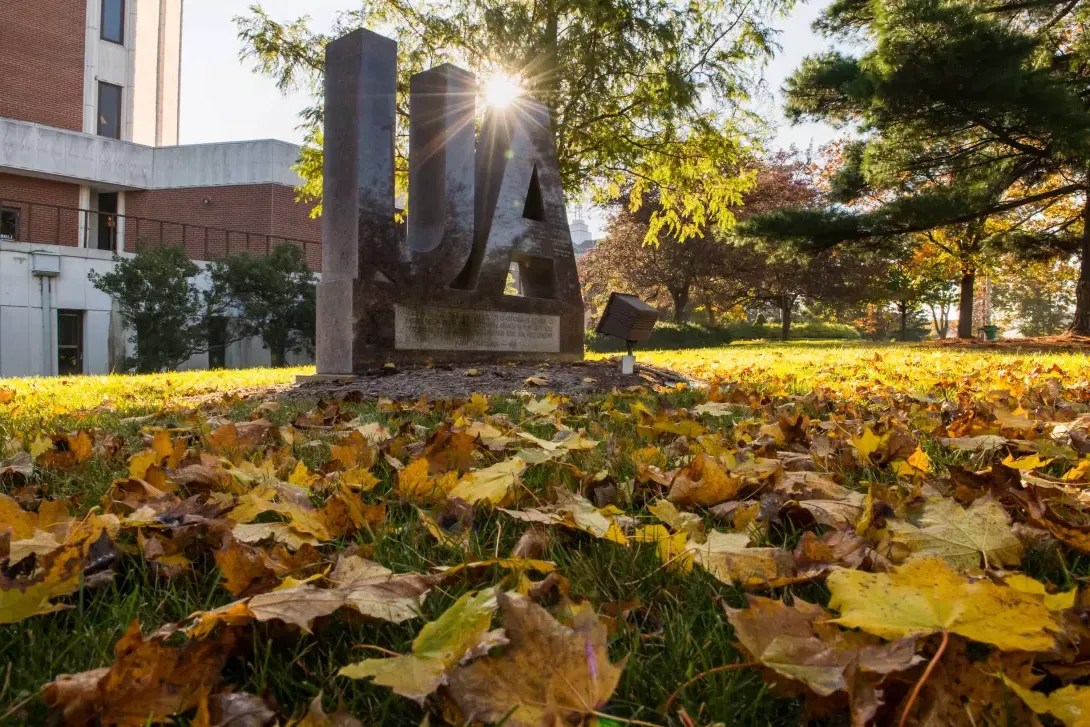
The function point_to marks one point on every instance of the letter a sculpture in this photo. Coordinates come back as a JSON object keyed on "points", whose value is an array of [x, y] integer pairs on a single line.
{"points": [[433, 289]]}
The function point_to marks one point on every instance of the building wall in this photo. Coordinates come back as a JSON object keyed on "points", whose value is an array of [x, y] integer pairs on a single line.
{"points": [[268, 212], [42, 61], [45, 224], [26, 335]]}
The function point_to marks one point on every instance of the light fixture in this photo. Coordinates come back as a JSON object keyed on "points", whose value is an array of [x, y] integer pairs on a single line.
{"points": [[630, 319]]}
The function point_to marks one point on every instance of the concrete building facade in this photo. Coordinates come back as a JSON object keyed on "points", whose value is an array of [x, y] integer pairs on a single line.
{"points": [[90, 167]]}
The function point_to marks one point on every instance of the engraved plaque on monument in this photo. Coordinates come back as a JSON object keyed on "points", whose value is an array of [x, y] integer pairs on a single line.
{"points": [[433, 289]]}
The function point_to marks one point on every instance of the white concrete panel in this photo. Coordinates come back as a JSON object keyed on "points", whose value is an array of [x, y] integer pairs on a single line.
{"points": [[14, 278], [71, 286], [78, 158], [229, 163], [113, 65], [95, 298], [96, 340], [144, 15], [170, 74], [18, 357]]}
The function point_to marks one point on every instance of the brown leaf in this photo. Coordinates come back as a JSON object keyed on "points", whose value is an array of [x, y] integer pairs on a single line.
{"points": [[148, 681], [548, 674], [785, 639], [317, 717], [236, 710]]}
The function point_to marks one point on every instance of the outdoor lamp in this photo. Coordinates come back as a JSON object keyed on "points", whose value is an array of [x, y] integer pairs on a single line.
{"points": [[630, 319]]}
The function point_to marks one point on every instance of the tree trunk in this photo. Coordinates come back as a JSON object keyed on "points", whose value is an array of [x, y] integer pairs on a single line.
{"points": [[785, 318], [965, 303], [1081, 325], [902, 308], [710, 307], [681, 302], [277, 355]]}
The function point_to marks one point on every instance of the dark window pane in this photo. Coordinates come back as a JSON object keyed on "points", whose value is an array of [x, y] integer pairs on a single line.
{"points": [[217, 342], [109, 110], [9, 223], [113, 20], [69, 342]]}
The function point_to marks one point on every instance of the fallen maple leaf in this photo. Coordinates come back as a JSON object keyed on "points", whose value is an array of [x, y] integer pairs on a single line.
{"points": [[703, 482], [1070, 704], [460, 632], [148, 682], [926, 596], [548, 674], [784, 639], [727, 557], [493, 483], [317, 717], [966, 537]]}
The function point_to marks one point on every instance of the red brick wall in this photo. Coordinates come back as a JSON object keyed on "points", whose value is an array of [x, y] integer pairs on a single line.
{"points": [[41, 61], [268, 212], [39, 202]]}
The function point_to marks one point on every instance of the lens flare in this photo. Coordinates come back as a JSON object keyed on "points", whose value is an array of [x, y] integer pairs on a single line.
{"points": [[501, 89]]}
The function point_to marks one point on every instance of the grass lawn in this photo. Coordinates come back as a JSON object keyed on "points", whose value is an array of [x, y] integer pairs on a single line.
{"points": [[253, 543]]}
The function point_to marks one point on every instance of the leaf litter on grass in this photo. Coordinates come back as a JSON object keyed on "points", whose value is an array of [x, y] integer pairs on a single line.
{"points": [[924, 505]]}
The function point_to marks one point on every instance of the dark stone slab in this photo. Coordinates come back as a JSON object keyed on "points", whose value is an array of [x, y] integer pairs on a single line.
{"points": [[433, 289]]}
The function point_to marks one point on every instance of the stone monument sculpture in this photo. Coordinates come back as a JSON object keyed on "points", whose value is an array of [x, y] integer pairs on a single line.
{"points": [[433, 288]]}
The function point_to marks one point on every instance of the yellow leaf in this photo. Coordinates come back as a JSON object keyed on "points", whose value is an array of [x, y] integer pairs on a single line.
{"points": [[23, 522], [544, 406], [440, 645], [1053, 601], [40, 446], [169, 454], [703, 482], [979, 535], [925, 596], [301, 476], [864, 523], [472, 372], [1070, 704], [867, 444], [687, 522], [671, 548], [22, 600], [359, 478], [918, 464], [141, 461], [1030, 462], [536, 381], [728, 557], [492, 483]]}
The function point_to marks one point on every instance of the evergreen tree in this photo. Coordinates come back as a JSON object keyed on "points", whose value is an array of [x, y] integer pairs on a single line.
{"points": [[977, 128]]}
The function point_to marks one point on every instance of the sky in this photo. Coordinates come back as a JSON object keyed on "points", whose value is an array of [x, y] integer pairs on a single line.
{"points": [[224, 100]]}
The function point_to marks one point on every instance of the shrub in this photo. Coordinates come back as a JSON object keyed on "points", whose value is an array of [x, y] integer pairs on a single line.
{"points": [[691, 335]]}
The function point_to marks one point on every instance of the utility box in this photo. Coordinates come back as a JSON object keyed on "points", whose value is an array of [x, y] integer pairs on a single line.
{"points": [[628, 318], [45, 265]]}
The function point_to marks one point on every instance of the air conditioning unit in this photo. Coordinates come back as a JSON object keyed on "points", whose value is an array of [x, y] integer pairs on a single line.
{"points": [[45, 264]]}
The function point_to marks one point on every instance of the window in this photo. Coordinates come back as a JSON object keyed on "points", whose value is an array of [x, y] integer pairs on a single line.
{"points": [[107, 221], [9, 223], [113, 21], [217, 342], [69, 342], [109, 110]]}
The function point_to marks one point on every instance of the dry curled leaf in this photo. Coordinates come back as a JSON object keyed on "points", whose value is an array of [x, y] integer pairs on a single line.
{"points": [[549, 673]]}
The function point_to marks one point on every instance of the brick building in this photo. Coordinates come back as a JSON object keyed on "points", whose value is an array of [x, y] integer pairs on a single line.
{"points": [[90, 166]]}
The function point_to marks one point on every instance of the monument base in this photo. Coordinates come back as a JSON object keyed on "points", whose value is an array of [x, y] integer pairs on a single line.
{"points": [[450, 326]]}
